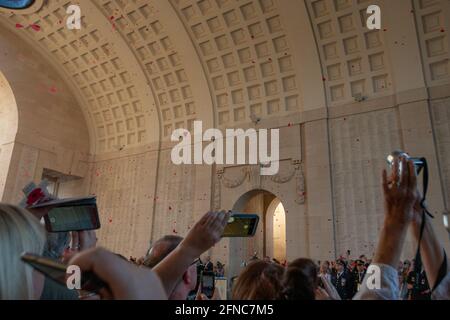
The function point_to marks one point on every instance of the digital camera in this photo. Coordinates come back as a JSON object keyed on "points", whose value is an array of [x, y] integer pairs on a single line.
{"points": [[418, 162]]}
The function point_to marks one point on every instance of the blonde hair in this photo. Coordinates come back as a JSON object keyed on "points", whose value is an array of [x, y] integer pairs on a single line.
{"points": [[20, 232]]}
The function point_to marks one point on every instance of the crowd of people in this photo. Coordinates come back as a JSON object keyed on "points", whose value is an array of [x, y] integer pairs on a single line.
{"points": [[347, 276], [170, 269]]}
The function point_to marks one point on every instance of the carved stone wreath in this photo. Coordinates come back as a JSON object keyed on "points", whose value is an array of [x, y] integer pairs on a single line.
{"points": [[250, 173], [283, 178], [237, 181]]}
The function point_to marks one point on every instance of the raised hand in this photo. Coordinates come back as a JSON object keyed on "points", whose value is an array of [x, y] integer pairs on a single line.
{"points": [[400, 193], [80, 241], [202, 237], [87, 239], [205, 233], [400, 196]]}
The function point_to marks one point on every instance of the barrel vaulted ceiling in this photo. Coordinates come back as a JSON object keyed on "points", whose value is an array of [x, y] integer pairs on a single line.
{"points": [[141, 68]]}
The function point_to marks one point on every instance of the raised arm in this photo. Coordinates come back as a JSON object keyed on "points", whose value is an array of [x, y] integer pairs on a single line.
{"points": [[124, 280], [431, 249], [204, 235], [399, 198]]}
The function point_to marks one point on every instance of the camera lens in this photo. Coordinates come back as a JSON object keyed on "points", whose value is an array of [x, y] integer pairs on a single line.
{"points": [[396, 155]]}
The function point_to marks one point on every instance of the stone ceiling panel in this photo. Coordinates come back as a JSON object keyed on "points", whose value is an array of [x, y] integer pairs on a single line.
{"points": [[115, 97], [246, 56]]}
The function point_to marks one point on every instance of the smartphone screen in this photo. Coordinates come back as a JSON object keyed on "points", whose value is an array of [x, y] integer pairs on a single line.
{"points": [[208, 284], [73, 218], [241, 225]]}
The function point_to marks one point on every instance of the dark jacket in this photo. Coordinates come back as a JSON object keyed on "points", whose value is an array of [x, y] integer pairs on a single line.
{"points": [[357, 278], [344, 284]]}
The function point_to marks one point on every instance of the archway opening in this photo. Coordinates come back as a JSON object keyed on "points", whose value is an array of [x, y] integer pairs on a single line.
{"points": [[9, 119], [275, 239], [270, 238]]}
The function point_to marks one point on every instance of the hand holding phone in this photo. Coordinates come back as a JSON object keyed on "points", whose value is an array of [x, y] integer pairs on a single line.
{"points": [[80, 241], [72, 218], [207, 284], [205, 233], [63, 215]]}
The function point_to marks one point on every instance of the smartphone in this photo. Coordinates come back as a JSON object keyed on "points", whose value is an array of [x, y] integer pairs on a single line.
{"points": [[241, 225], [208, 283], [57, 271], [73, 218]]}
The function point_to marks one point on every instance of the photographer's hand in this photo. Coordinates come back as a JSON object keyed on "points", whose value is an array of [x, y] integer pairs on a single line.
{"points": [[201, 296], [204, 235], [400, 196], [87, 239], [80, 241]]}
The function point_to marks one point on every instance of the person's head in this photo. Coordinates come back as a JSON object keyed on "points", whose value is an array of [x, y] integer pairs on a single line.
{"points": [[19, 232], [161, 249], [324, 267], [363, 258], [301, 280], [260, 280], [360, 265], [340, 265]]}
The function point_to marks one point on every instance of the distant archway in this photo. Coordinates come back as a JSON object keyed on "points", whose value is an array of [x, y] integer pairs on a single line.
{"points": [[9, 119], [265, 204], [275, 237], [42, 126]]}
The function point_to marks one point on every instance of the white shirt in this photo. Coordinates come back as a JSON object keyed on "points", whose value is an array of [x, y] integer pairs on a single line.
{"points": [[389, 286], [389, 289]]}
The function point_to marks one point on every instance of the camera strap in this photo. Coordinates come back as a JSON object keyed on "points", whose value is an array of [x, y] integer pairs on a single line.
{"points": [[418, 260]]}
